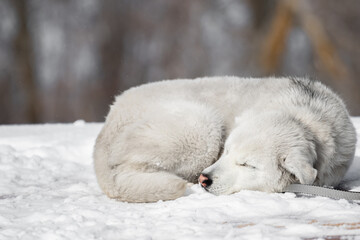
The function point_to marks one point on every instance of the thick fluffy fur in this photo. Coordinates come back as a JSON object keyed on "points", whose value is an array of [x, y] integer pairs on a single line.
{"points": [[266, 133]]}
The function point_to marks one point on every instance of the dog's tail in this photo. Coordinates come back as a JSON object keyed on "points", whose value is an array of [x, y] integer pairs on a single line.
{"points": [[136, 186]]}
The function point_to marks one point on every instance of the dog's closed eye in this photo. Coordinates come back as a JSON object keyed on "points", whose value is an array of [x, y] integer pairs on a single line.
{"points": [[246, 165]]}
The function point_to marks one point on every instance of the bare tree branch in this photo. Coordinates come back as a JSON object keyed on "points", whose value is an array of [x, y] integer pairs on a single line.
{"points": [[323, 47], [274, 43]]}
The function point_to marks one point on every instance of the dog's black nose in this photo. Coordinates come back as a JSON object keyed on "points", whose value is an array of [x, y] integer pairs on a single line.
{"points": [[205, 180]]}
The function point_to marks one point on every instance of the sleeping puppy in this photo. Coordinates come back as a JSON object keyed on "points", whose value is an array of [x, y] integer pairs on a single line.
{"points": [[228, 133]]}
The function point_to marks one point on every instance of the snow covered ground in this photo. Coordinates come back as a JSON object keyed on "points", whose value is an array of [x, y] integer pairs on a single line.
{"points": [[48, 190]]}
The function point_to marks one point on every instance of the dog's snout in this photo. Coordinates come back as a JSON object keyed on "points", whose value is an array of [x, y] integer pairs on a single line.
{"points": [[205, 181]]}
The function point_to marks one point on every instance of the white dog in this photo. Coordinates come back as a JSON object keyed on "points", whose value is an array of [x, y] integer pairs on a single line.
{"points": [[257, 134]]}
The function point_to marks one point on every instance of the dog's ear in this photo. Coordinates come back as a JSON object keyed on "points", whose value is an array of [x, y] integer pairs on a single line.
{"points": [[301, 166]]}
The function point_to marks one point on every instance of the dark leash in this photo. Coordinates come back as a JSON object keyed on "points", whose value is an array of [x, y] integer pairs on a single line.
{"points": [[322, 191]]}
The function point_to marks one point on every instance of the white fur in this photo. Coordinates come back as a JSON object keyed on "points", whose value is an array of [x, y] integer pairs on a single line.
{"points": [[266, 133]]}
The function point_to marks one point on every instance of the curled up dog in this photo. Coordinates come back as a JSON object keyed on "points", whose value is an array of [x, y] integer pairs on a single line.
{"points": [[228, 133]]}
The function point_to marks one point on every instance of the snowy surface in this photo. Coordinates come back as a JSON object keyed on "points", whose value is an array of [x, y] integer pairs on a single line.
{"points": [[48, 190]]}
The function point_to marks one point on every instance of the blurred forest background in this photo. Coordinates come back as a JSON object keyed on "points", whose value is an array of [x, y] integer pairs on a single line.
{"points": [[63, 60]]}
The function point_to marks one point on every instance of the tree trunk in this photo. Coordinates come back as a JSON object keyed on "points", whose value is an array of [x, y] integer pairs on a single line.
{"points": [[25, 63]]}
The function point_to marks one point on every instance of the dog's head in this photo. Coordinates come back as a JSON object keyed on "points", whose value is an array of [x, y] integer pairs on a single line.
{"points": [[263, 154]]}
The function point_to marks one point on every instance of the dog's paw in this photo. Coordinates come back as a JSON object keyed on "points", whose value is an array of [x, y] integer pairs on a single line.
{"points": [[188, 190]]}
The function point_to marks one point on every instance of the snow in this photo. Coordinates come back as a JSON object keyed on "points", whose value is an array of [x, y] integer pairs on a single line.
{"points": [[48, 190]]}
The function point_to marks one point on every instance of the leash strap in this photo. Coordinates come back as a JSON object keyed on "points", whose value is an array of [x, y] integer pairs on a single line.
{"points": [[322, 191]]}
